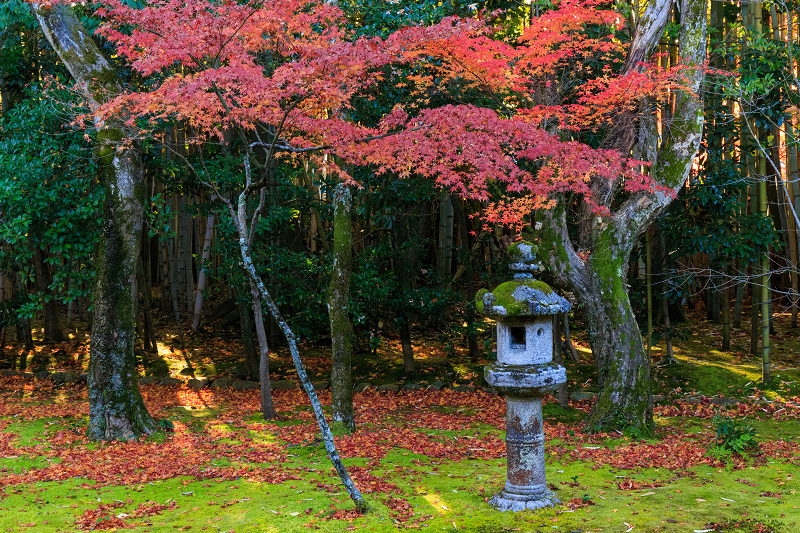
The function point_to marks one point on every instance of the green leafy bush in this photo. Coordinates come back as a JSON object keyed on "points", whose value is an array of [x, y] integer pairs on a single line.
{"points": [[734, 436]]}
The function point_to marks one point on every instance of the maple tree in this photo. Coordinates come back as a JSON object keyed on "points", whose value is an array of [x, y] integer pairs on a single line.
{"points": [[587, 205], [272, 72]]}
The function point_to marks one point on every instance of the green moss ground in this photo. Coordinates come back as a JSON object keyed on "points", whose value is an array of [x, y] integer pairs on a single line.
{"points": [[451, 497], [444, 494]]}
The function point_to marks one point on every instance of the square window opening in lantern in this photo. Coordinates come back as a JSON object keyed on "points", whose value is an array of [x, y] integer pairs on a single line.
{"points": [[517, 335]]}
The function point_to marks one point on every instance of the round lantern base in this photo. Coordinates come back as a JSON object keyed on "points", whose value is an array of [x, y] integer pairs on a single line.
{"points": [[514, 502]]}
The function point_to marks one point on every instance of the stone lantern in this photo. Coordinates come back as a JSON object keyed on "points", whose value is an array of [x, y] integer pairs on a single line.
{"points": [[524, 372]]}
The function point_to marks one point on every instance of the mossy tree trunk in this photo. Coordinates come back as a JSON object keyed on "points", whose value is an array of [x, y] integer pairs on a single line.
{"points": [[594, 264], [624, 400], [623, 368], [116, 408], [338, 309], [238, 214]]}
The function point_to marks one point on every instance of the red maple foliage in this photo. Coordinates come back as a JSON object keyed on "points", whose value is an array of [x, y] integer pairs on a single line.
{"points": [[205, 62]]}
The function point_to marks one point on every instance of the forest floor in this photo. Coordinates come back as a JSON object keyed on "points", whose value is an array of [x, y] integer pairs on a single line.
{"points": [[424, 459]]}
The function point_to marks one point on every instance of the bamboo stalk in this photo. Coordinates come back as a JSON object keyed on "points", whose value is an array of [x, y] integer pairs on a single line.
{"points": [[765, 300], [648, 277], [201, 276]]}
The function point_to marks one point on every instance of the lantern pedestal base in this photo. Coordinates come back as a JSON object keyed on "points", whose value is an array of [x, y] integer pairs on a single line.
{"points": [[506, 501]]}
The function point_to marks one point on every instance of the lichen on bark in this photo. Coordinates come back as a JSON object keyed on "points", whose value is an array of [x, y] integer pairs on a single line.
{"points": [[338, 310], [116, 408], [594, 265]]}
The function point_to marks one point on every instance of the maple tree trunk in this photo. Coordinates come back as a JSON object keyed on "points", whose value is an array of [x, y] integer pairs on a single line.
{"points": [[338, 310], [595, 266], [116, 408], [624, 398]]}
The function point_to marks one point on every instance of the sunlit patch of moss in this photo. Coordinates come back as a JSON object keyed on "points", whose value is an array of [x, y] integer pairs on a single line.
{"points": [[189, 413], [20, 465], [36, 432], [555, 413]]}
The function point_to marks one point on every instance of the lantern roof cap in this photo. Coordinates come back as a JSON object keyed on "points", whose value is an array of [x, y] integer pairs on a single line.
{"points": [[523, 296]]}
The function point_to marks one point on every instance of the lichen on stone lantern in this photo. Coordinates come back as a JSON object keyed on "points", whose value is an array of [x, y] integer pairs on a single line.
{"points": [[524, 372]]}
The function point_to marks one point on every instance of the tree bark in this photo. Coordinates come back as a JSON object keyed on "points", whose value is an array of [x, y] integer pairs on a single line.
{"points": [[148, 333], [250, 368], [766, 312], [116, 408], [624, 400], [267, 409], [338, 310], [174, 290], [239, 215], [145, 289], [598, 275], [669, 355], [201, 275], [741, 284], [24, 333]]}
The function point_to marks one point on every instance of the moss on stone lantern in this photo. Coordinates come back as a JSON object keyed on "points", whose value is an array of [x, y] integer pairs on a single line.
{"points": [[524, 372]]}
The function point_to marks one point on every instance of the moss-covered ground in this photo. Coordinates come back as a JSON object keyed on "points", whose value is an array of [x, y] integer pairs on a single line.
{"points": [[424, 459]]}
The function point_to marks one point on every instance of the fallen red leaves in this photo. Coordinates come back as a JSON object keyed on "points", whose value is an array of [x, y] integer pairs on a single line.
{"points": [[101, 519], [706, 409], [632, 484], [368, 482], [432, 424], [399, 509], [152, 508], [579, 503]]}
